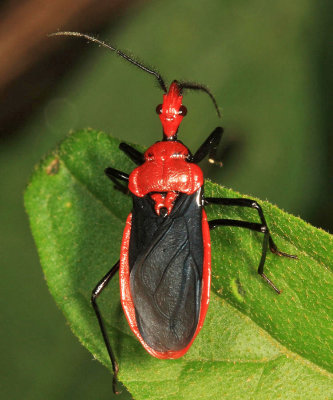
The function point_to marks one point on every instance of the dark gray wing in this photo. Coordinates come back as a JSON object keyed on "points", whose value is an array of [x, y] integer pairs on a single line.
{"points": [[166, 257]]}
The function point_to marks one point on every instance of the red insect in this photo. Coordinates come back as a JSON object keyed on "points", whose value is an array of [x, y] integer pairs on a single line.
{"points": [[165, 261]]}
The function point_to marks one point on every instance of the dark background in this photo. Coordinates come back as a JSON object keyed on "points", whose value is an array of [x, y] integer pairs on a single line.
{"points": [[267, 63]]}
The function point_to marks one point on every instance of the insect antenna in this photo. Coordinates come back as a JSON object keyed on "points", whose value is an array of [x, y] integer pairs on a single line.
{"points": [[198, 86], [118, 52]]}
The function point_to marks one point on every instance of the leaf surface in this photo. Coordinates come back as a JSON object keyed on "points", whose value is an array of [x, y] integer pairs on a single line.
{"points": [[254, 343]]}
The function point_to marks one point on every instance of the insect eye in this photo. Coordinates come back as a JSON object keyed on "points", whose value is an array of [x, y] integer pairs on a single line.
{"points": [[182, 111], [159, 109]]}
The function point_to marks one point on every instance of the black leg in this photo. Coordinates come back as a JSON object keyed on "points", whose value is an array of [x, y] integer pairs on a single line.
{"points": [[251, 204], [115, 176], [263, 228], [209, 147], [132, 153], [102, 284], [254, 227]]}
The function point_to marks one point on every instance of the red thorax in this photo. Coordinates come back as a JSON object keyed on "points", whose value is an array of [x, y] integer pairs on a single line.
{"points": [[166, 169], [170, 113]]}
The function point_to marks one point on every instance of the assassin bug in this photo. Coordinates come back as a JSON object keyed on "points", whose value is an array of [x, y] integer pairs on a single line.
{"points": [[164, 264]]}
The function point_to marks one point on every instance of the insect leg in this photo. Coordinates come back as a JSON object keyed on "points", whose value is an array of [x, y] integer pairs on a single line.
{"points": [[209, 148], [115, 176], [251, 204], [263, 228], [115, 173], [102, 284], [254, 227], [135, 155]]}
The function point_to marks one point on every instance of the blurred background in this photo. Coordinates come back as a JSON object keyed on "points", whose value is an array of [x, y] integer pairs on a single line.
{"points": [[267, 63]]}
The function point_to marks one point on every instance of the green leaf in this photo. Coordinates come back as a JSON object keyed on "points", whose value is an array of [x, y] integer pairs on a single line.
{"points": [[255, 344]]}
